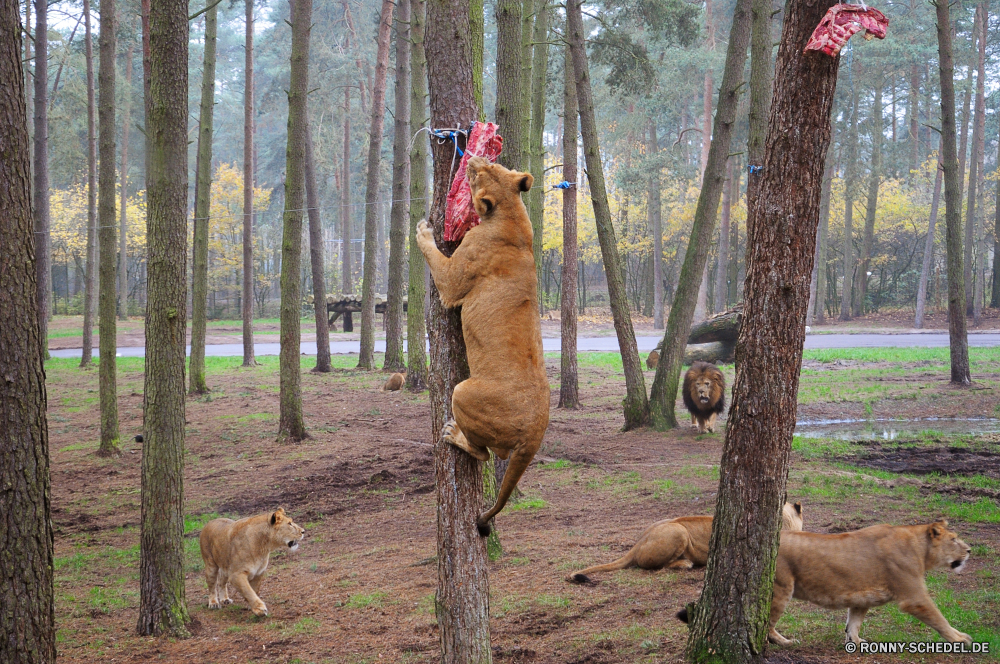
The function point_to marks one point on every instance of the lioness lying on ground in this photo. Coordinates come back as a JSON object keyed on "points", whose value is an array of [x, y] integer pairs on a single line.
{"points": [[866, 568], [679, 543], [504, 404], [237, 552]]}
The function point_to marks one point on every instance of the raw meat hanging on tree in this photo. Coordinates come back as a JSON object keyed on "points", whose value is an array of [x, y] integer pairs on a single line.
{"points": [[841, 22], [460, 215]]}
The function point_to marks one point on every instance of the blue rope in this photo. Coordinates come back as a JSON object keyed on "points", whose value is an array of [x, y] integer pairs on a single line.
{"points": [[754, 169], [564, 185]]}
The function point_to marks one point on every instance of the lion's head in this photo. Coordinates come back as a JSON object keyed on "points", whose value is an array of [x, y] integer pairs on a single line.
{"points": [[791, 517], [493, 186], [285, 532], [704, 385], [945, 550]]}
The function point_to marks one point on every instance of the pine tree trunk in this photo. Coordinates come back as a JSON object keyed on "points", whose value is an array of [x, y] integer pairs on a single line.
{"points": [[508, 103], [914, 117], [316, 248], [653, 202], [849, 178], [720, 273], [477, 32], [729, 622], [88, 289], [40, 166], [536, 149], [345, 209], [874, 177], [27, 620], [761, 73], [162, 604], [106, 218], [366, 358], [123, 211], [636, 405], [528, 10], [291, 427], [682, 313], [398, 216], [976, 170], [817, 301], [962, 153], [569, 388], [462, 600], [734, 248], [957, 332], [925, 268], [248, 183], [995, 296], [202, 208], [416, 358]]}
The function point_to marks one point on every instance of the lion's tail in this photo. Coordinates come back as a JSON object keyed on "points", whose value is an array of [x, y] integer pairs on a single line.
{"points": [[628, 560]]}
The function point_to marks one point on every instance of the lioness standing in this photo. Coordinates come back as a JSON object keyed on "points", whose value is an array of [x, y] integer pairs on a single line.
{"points": [[238, 552], [504, 405]]}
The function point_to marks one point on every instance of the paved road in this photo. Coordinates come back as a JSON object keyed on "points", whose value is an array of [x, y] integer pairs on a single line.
{"points": [[598, 344]]}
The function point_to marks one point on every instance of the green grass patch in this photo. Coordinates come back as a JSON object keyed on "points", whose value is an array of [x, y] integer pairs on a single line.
{"points": [[528, 504], [361, 600]]}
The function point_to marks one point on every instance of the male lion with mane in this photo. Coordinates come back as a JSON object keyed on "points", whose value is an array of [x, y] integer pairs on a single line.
{"points": [[237, 552], [504, 404], [680, 543], [704, 395]]}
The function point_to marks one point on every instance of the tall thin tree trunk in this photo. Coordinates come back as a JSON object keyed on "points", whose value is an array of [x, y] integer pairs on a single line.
{"points": [[43, 242], [106, 218], [462, 599], [874, 180], [316, 248], [528, 14], [817, 301], [976, 170], [849, 178], [27, 620], [123, 212], [962, 153], [162, 604], [508, 103], [569, 389], [202, 207], [995, 297], [761, 73], [734, 247], [248, 183], [345, 211], [682, 313], [957, 332], [89, 279], [636, 404], [291, 427], [925, 268], [398, 216], [655, 212], [720, 273], [416, 332], [706, 131], [366, 358], [729, 622], [536, 148], [914, 117]]}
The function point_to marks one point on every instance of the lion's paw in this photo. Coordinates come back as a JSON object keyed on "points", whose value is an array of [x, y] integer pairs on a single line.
{"points": [[424, 233], [213, 604], [448, 433], [960, 637], [260, 610], [227, 602]]}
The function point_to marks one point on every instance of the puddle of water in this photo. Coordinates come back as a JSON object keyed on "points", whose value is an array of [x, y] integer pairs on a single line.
{"points": [[885, 429]]}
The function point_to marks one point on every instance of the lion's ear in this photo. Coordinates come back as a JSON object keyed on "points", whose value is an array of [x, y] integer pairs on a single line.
{"points": [[937, 529], [798, 508], [524, 184], [280, 512], [488, 204]]}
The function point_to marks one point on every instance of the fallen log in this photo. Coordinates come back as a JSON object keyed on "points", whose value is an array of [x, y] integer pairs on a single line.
{"points": [[713, 340]]}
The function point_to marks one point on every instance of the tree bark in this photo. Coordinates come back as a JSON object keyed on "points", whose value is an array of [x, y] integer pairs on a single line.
{"points": [[462, 600], [974, 206], [569, 388], [874, 180], [636, 405], [345, 208], [655, 212], [202, 208], [398, 216], [416, 358], [721, 291], [162, 606], [761, 73], [729, 622], [316, 248], [914, 117], [366, 358], [734, 247], [88, 289], [957, 332], [248, 182], [508, 103], [528, 14], [817, 297], [682, 313], [995, 297], [925, 268], [291, 427], [106, 218], [123, 212], [27, 621], [536, 148], [849, 176], [40, 166]]}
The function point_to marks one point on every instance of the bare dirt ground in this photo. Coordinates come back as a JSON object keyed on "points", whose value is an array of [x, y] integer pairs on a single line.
{"points": [[361, 588]]}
